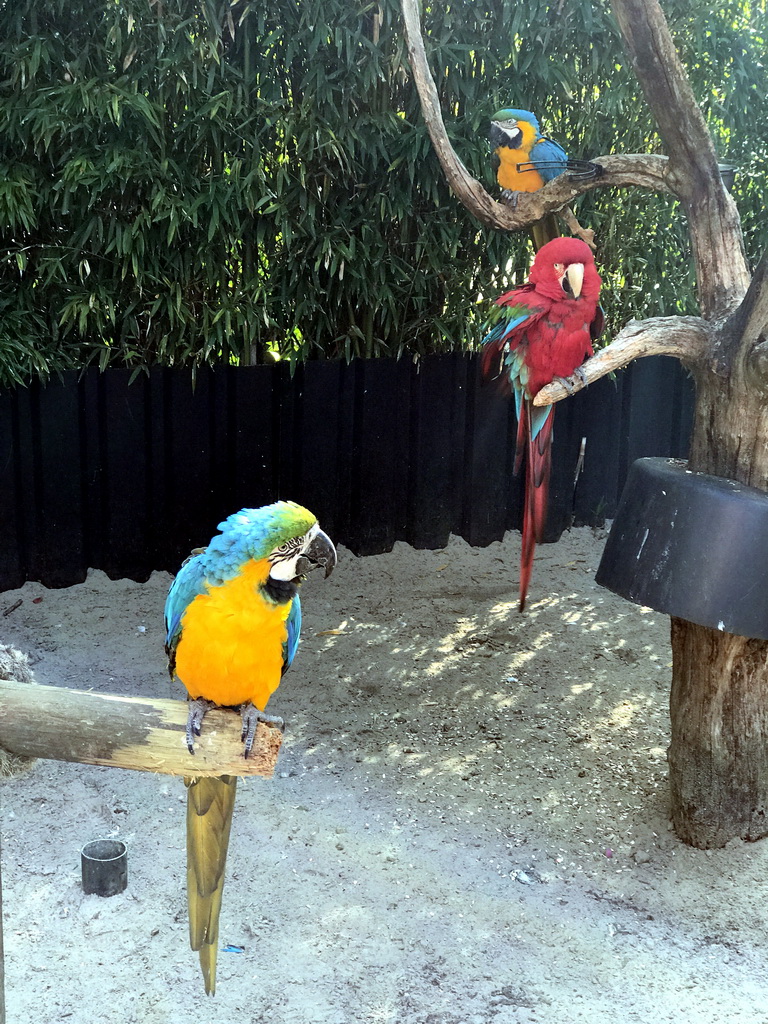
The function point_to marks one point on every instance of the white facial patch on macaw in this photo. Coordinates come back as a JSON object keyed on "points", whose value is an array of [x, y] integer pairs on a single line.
{"points": [[284, 559], [513, 132]]}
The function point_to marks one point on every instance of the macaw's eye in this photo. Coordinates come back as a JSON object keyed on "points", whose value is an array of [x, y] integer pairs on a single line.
{"points": [[559, 268], [283, 549]]}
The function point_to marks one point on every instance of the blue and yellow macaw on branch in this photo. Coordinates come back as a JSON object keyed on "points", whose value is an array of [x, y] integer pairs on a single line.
{"points": [[233, 618], [525, 160]]}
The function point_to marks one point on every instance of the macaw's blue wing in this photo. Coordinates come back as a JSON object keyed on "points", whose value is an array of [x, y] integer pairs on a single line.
{"points": [[504, 353], [500, 361], [293, 623], [515, 369], [189, 582], [549, 159]]}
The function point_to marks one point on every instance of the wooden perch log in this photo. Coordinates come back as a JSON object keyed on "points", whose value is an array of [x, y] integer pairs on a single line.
{"points": [[127, 732], [686, 337]]}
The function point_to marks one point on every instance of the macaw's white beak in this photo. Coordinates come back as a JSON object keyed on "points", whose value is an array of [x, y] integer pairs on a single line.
{"points": [[574, 275]]}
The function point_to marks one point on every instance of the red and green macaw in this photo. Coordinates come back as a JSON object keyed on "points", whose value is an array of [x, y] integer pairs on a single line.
{"points": [[525, 160], [232, 620], [540, 332]]}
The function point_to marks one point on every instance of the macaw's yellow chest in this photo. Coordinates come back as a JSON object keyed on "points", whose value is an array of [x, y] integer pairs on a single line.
{"points": [[231, 645], [508, 176]]}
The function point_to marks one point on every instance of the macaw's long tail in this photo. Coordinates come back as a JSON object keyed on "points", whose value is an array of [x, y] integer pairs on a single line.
{"points": [[210, 802], [535, 426], [544, 230]]}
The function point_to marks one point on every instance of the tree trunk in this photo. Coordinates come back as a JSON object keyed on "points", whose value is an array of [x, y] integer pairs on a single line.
{"points": [[718, 763], [718, 756]]}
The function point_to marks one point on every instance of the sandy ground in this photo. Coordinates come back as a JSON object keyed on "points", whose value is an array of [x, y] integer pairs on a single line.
{"points": [[468, 824]]}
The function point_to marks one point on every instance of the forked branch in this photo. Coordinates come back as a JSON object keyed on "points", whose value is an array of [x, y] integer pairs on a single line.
{"points": [[718, 251], [750, 321], [622, 170]]}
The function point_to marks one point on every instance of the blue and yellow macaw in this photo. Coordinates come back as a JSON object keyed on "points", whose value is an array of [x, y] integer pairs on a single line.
{"points": [[524, 161], [232, 621]]}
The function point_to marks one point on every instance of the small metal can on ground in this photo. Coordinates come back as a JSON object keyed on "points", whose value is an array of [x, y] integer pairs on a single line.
{"points": [[104, 864]]}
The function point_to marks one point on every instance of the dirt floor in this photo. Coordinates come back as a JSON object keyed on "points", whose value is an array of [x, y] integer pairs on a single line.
{"points": [[468, 823]]}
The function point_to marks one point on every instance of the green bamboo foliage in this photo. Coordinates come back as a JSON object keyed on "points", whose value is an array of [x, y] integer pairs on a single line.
{"points": [[197, 181]]}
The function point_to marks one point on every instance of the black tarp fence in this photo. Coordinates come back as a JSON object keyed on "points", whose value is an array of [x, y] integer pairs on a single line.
{"points": [[128, 477]]}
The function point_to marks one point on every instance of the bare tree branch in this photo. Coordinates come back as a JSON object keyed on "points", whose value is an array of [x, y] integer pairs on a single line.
{"points": [[643, 170], [718, 249], [689, 338], [660, 72]]}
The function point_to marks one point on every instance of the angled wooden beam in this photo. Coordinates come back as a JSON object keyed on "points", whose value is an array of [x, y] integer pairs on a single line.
{"points": [[140, 733]]}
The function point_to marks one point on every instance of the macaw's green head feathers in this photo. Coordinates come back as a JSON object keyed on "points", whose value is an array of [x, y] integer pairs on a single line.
{"points": [[286, 534], [518, 129], [261, 530], [514, 114]]}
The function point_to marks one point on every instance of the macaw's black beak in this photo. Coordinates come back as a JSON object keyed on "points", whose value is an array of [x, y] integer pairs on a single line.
{"points": [[496, 135], [320, 552]]}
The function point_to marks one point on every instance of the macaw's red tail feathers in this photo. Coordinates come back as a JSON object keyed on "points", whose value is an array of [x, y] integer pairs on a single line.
{"points": [[537, 472], [526, 555], [210, 802], [541, 463]]}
